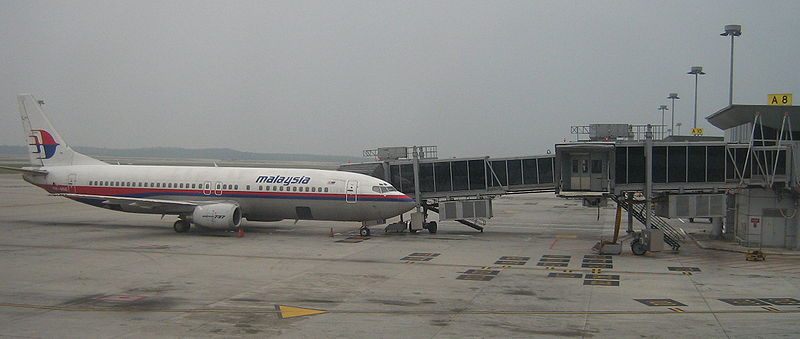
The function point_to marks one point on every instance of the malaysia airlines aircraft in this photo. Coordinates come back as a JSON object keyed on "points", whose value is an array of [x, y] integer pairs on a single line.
{"points": [[213, 197]]}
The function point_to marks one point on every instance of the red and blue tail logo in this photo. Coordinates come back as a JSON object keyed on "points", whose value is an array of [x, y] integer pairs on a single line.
{"points": [[44, 143]]}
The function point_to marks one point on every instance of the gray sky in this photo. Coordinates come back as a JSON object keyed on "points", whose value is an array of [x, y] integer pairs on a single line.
{"points": [[492, 78]]}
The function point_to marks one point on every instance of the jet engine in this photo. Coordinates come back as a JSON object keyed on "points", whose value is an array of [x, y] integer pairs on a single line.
{"points": [[220, 215]]}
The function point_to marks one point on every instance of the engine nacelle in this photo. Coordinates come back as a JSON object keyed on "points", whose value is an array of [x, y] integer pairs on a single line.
{"points": [[221, 215]]}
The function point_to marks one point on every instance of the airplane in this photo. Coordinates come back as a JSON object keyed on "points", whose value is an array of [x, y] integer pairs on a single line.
{"points": [[210, 197]]}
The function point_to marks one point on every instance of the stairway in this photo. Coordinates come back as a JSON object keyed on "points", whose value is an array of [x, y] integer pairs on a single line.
{"points": [[672, 236]]}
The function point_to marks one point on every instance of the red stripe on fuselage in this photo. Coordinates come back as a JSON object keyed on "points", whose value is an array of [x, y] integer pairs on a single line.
{"points": [[128, 191]]}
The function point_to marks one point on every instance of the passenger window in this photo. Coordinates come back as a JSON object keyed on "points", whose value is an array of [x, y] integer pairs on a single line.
{"points": [[294, 189], [307, 189], [281, 188], [219, 186], [236, 187], [274, 188], [267, 188], [260, 188], [326, 189], [313, 189], [248, 187]]}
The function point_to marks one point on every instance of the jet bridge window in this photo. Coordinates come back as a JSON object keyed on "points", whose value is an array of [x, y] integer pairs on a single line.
{"points": [[460, 176], [660, 164], [514, 172], [545, 166], [442, 176], [697, 164], [426, 182], [497, 175], [530, 172], [676, 166], [715, 164], [477, 175]]}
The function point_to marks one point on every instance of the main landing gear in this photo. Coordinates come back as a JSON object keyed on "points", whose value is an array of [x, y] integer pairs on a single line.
{"points": [[364, 232], [181, 226]]}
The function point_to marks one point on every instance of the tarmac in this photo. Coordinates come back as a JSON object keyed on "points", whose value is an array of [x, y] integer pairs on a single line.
{"points": [[75, 271]]}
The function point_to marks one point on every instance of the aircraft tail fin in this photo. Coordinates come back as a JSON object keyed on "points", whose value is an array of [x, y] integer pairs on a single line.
{"points": [[45, 145]]}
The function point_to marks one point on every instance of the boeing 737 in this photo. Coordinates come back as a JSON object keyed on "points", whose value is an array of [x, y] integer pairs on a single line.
{"points": [[212, 197]]}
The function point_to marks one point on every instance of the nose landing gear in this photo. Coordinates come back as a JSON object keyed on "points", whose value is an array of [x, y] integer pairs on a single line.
{"points": [[364, 232]]}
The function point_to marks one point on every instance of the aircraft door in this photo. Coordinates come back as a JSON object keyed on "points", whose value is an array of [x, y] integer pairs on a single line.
{"points": [[207, 188], [579, 178], [218, 188], [351, 191], [71, 180]]}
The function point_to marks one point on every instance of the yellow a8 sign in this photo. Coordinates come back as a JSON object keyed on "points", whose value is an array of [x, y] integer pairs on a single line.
{"points": [[780, 99]]}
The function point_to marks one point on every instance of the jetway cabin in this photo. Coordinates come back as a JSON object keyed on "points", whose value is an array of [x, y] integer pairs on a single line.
{"points": [[601, 167]]}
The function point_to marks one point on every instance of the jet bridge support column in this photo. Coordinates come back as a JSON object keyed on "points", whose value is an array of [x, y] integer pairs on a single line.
{"points": [[648, 177], [629, 197]]}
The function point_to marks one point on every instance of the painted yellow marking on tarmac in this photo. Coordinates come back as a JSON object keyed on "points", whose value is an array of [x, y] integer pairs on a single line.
{"points": [[298, 312], [293, 312], [566, 236], [678, 310]]}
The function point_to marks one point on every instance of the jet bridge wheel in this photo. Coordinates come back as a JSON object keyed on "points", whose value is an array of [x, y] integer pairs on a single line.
{"points": [[181, 226], [637, 247], [431, 227]]}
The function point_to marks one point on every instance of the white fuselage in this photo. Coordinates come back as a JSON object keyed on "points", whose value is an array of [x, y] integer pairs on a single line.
{"points": [[264, 194]]}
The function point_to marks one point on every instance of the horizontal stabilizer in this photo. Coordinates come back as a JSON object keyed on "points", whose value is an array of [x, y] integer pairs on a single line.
{"points": [[26, 170]]}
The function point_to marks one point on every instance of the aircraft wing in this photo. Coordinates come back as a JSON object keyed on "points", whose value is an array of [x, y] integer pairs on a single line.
{"points": [[25, 170], [157, 205]]}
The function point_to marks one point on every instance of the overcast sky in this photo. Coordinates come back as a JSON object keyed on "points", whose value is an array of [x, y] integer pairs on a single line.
{"points": [[498, 78]]}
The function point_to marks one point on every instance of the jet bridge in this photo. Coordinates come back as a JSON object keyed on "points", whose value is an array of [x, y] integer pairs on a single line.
{"points": [[689, 176], [461, 187]]}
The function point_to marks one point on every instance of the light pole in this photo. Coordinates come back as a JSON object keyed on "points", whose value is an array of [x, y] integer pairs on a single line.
{"points": [[733, 31], [662, 108], [678, 125], [696, 70], [673, 96]]}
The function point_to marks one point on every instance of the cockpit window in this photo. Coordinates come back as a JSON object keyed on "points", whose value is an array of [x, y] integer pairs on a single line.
{"points": [[383, 189]]}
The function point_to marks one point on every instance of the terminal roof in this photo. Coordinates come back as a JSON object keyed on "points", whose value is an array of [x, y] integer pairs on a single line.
{"points": [[771, 116]]}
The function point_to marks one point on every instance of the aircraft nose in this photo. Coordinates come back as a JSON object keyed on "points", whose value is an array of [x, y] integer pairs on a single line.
{"points": [[407, 204]]}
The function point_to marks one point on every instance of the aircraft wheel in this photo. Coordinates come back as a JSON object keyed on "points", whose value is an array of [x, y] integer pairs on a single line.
{"points": [[637, 247], [181, 226], [432, 227], [364, 232]]}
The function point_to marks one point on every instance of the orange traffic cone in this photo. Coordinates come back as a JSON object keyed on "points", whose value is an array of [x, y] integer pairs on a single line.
{"points": [[240, 234]]}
